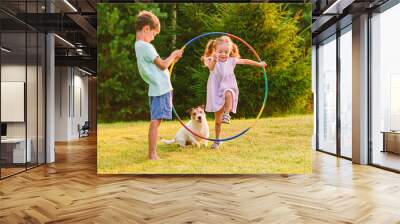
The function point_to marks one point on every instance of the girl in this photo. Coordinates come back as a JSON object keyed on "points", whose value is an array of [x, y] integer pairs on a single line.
{"points": [[221, 56]]}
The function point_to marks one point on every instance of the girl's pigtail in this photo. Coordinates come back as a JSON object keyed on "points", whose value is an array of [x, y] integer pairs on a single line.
{"points": [[235, 51], [208, 51]]}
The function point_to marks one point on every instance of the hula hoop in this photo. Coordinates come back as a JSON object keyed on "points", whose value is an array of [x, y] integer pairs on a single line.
{"points": [[265, 91]]}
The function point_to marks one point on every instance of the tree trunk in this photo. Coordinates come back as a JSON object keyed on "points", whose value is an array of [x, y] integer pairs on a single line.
{"points": [[173, 25]]}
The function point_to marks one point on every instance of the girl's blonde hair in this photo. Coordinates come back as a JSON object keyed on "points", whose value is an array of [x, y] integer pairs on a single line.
{"points": [[213, 43]]}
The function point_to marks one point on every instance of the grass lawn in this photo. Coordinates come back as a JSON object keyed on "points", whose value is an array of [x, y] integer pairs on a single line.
{"points": [[275, 145]]}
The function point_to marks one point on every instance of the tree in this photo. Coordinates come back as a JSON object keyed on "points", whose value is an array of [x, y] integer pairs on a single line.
{"points": [[279, 33]]}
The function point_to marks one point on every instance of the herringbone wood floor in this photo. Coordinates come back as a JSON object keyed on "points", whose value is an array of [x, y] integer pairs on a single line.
{"points": [[70, 191]]}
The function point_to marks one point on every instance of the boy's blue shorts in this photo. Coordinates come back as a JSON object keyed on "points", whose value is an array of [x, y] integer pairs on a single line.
{"points": [[161, 107]]}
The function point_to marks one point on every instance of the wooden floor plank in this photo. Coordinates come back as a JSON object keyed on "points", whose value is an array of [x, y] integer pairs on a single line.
{"points": [[70, 191]]}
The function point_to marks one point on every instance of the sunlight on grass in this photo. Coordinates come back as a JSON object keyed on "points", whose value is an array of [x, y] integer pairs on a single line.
{"points": [[275, 145]]}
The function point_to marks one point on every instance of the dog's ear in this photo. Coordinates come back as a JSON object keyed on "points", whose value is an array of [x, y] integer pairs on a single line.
{"points": [[189, 111], [201, 106]]}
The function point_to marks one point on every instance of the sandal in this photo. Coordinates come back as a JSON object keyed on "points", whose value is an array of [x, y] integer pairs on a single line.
{"points": [[215, 145], [226, 118]]}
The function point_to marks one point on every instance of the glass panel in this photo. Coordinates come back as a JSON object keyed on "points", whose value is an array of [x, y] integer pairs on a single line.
{"points": [[32, 88], [386, 89], [346, 93], [41, 99], [31, 97], [13, 87], [314, 91], [327, 96]]}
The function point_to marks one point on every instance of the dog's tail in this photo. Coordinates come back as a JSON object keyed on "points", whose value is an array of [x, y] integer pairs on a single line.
{"points": [[165, 141]]}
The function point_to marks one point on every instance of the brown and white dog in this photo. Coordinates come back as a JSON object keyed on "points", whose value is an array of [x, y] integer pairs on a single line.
{"points": [[198, 124]]}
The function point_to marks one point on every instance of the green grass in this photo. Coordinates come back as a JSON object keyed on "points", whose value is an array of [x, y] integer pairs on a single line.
{"points": [[275, 145]]}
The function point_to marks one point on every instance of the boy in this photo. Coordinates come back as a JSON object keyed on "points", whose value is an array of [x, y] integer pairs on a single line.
{"points": [[154, 71]]}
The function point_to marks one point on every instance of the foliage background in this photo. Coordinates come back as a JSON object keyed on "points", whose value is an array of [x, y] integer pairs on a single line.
{"points": [[280, 33]]}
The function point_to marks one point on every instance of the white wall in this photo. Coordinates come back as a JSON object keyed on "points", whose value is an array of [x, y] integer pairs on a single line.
{"points": [[13, 72], [71, 94], [81, 94], [62, 81], [13, 101]]}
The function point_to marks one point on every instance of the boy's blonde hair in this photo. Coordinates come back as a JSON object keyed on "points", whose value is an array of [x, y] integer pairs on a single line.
{"points": [[212, 45], [146, 18]]}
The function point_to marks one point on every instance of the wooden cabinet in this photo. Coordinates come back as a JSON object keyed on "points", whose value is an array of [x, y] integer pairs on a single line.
{"points": [[391, 141]]}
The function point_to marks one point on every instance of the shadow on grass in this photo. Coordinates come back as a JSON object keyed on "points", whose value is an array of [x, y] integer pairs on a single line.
{"points": [[176, 148], [169, 148]]}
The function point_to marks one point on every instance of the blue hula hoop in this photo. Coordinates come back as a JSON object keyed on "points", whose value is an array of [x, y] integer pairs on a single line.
{"points": [[265, 92]]}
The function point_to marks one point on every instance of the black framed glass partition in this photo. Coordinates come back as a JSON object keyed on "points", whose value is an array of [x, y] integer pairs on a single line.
{"points": [[376, 79], [385, 89], [41, 98], [22, 78], [31, 97], [13, 105], [334, 93]]}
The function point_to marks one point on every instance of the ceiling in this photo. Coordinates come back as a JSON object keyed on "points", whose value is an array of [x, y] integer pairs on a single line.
{"points": [[330, 15], [74, 22]]}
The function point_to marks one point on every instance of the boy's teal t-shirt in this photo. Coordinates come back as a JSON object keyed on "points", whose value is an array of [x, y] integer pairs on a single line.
{"points": [[158, 80]]}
